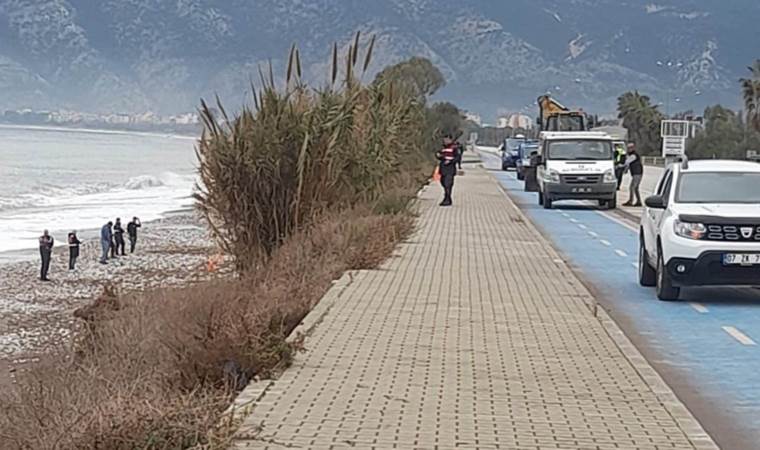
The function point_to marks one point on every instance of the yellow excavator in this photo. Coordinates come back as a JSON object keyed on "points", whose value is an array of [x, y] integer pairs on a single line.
{"points": [[553, 116]]}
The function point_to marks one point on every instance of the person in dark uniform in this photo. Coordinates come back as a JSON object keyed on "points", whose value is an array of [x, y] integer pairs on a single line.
{"points": [[634, 165], [118, 237], [74, 243], [46, 252], [132, 233], [447, 167]]}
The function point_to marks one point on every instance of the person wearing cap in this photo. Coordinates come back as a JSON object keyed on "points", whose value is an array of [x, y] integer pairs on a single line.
{"points": [[118, 237], [447, 167], [634, 165], [46, 252], [73, 249]]}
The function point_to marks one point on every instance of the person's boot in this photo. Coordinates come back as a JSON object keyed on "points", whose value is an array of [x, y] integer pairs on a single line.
{"points": [[628, 203]]}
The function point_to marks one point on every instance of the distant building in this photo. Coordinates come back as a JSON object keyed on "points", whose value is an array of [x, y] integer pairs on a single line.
{"points": [[473, 117]]}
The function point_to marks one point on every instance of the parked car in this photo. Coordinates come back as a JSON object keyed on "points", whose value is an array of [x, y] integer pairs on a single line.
{"points": [[524, 152], [509, 152], [702, 227]]}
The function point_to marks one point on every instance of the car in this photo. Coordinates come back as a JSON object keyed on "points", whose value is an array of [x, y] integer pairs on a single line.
{"points": [[575, 166], [701, 227], [509, 152], [524, 152]]}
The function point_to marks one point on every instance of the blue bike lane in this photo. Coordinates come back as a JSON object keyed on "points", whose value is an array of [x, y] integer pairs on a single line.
{"points": [[704, 346]]}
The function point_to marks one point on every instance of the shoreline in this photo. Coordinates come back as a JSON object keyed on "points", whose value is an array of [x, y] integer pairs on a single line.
{"points": [[167, 134], [37, 317]]}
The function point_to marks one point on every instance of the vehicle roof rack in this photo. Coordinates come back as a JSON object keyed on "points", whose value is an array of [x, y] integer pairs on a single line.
{"points": [[684, 160]]}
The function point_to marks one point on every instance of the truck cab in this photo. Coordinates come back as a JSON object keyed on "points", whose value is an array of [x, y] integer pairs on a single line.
{"points": [[576, 166]]}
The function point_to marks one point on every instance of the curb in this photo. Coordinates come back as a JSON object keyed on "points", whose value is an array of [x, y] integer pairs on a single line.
{"points": [[234, 416], [688, 424]]}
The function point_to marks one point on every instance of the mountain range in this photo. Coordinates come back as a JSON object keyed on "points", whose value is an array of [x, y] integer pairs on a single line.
{"points": [[164, 55]]}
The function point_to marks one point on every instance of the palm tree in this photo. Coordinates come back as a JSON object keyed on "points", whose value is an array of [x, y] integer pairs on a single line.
{"points": [[751, 91], [642, 119]]}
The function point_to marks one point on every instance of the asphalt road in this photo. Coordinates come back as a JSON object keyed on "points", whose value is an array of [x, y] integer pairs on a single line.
{"points": [[705, 346]]}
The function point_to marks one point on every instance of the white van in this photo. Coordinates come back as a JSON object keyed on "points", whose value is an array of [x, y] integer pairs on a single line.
{"points": [[576, 166]]}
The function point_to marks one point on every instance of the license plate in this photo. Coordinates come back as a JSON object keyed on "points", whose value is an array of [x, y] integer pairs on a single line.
{"points": [[741, 259], [581, 190]]}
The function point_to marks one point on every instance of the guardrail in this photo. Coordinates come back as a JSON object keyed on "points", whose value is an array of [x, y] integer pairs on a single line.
{"points": [[653, 161]]}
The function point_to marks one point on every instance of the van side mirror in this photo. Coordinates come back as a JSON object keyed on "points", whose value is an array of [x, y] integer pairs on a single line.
{"points": [[655, 202]]}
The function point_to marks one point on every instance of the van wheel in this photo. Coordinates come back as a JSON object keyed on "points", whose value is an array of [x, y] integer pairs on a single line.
{"points": [[665, 289], [647, 273], [612, 204], [540, 198]]}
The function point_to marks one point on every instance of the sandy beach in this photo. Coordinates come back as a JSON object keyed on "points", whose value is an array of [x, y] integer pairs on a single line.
{"points": [[37, 316]]}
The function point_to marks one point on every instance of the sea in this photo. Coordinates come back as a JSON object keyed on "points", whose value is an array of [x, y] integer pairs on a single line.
{"points": [[66, 179]]}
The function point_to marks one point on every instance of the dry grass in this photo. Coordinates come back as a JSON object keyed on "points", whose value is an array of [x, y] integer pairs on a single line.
{"points": [[156, 370]]}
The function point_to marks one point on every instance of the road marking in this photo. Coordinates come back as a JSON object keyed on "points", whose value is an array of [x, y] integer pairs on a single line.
{"points": [[574, 220], [582, 227], [636, 265], [739, 336], [592, 234], [607, 243], [617, 221], [700, 308], [621, 253]]}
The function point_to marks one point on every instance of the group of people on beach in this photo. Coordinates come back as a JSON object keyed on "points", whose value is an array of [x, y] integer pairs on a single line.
{"points": [[111, 241]]}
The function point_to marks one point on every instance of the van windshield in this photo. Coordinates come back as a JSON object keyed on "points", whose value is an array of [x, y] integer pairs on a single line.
{"points": [[574, 150]]}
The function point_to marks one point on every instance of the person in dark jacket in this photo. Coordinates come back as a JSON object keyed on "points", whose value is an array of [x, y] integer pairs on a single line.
{"points": [[74, 243], [132, 233], [118, 237], [46, 252], [106, 241], [634, 165], [620, 154], [447, 167]]}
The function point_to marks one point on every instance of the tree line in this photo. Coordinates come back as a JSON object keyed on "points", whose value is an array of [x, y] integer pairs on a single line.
{"points": [[726, 133]]}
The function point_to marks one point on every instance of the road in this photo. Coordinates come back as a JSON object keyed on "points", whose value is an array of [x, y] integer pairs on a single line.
{"points": [[704, 346]]}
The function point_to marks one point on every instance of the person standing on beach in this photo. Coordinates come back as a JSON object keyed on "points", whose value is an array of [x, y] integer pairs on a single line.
{"points": [[106, 241], [118, 236], [132, 232], [46, 252], [73, 249]]}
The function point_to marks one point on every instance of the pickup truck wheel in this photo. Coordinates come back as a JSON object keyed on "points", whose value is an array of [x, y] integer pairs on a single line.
{"points": [[540, 198], [665, 289], [647, 273]]}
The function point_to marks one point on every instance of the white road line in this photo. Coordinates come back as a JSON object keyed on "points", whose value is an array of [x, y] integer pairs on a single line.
{"points": [[592, 234], [700, 308], [621, 253], [636, 265], [607, 243], [574, 220], [565, 214], [739, 336], [617, 221], [582, 227]]}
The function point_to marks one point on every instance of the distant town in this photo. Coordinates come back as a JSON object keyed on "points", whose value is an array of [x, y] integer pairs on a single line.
{"points": [[184, 123]]}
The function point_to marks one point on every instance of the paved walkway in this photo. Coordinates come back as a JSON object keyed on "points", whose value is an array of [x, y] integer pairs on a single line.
{"points": [[487, 341]]}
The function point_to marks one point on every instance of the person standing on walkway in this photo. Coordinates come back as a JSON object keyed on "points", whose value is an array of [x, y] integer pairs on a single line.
{"points": [[447, 158], [634, 165], [73, 249], [118, 237], [132, 232], [46, 252], [106, 241]]}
